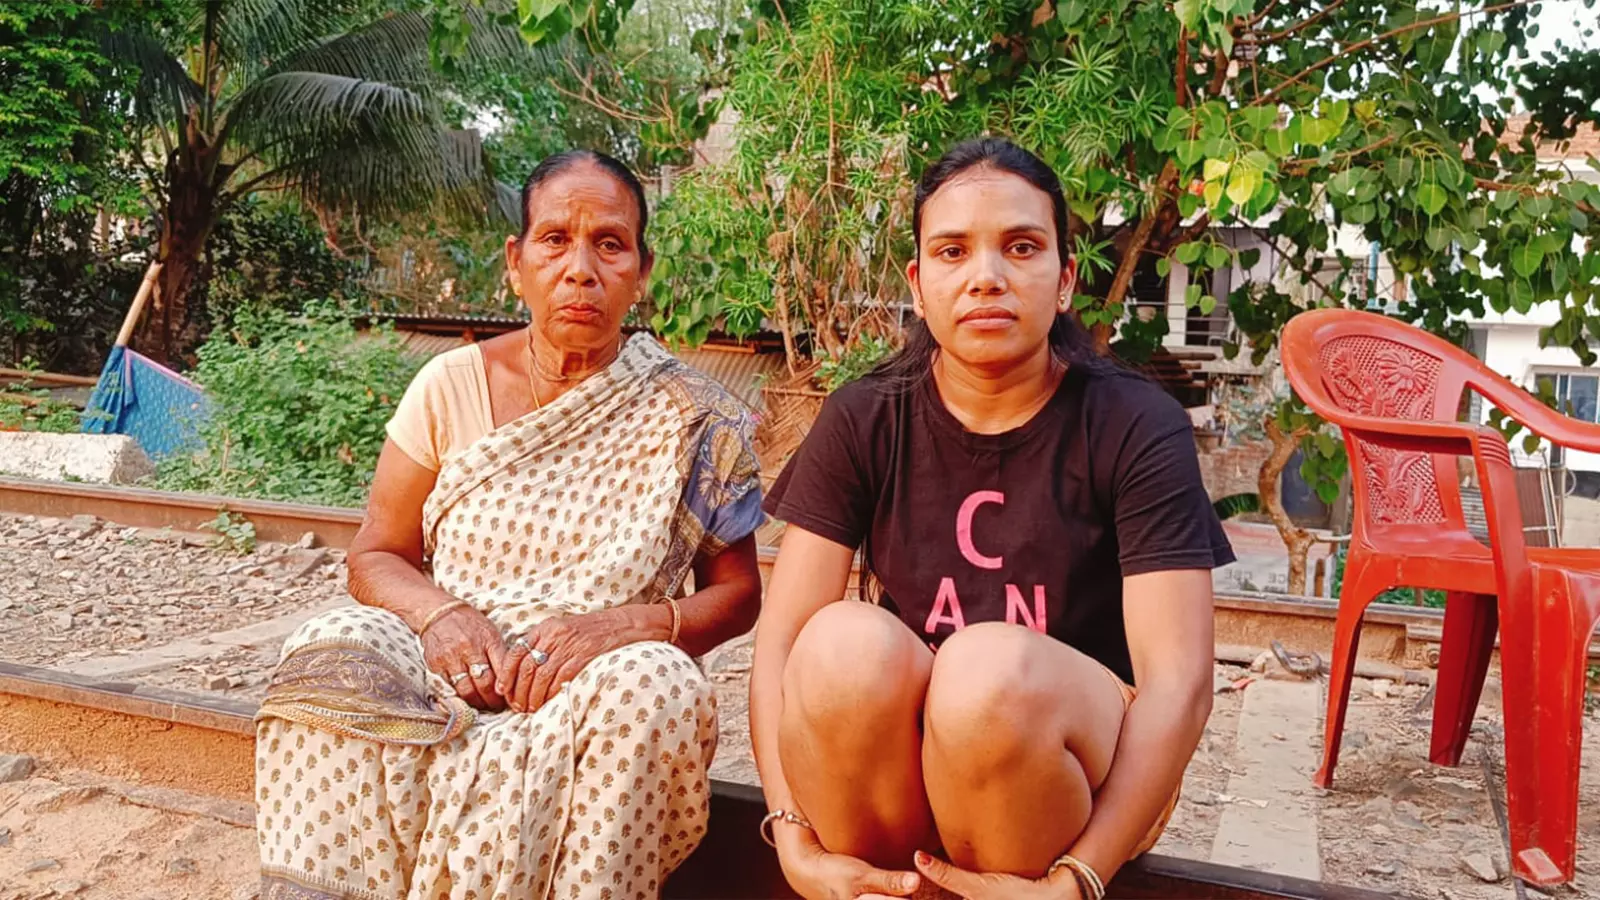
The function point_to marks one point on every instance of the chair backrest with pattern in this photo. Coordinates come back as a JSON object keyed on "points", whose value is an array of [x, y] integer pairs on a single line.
{"points": [[1366, 364]]}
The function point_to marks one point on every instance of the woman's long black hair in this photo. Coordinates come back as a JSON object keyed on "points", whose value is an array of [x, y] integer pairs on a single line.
{"points": [[1069, 342]]}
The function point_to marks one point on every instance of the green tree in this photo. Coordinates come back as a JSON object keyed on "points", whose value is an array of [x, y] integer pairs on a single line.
{"points": [[254, 95], [59, 144], [1297, 119]]}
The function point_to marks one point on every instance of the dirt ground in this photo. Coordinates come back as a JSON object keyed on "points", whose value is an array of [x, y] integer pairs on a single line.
{"points": [[1393, 822], [65, 835]]}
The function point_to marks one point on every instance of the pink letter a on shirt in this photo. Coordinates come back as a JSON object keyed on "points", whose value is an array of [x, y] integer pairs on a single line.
{"points": [[947, 599]]}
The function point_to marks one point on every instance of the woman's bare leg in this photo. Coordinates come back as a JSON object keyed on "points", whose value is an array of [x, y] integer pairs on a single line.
{"points": [[850, 735], [1021, 730]]}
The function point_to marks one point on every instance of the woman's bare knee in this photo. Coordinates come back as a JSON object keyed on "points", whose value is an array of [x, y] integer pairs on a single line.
{"points": [[849, 737], [854, 662], [992, 702]]}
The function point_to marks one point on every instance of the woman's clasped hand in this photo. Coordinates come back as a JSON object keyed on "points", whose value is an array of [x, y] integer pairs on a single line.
{"points": [[817, 874]]}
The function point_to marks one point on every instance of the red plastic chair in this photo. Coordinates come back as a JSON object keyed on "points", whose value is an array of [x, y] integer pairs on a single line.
{"points": [[1394, 391]]}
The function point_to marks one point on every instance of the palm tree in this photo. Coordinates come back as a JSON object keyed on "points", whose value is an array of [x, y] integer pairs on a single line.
{"points": [[303, 95]]}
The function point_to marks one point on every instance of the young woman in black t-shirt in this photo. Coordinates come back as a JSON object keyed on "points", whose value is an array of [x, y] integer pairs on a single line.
{"points": [[1038, 540]]}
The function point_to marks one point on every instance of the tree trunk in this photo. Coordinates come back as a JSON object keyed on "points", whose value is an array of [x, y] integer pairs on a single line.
{"points": [[1296, 540], [1102, 334], [195, 177]]}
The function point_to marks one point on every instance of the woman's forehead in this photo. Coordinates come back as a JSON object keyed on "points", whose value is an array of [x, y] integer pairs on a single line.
{"points": [[986, 199], [585, 189]]}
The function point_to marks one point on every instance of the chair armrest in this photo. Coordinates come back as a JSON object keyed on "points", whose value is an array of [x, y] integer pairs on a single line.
{"points": [[1540, 419]]}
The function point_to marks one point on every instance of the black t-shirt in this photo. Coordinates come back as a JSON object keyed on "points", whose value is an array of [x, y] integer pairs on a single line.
{"points": [[1036, 526]]}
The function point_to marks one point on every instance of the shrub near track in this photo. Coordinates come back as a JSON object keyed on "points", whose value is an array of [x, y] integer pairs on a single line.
{"points": [[299, 406]]}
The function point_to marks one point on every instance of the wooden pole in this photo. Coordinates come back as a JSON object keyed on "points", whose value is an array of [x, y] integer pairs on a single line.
{"points": [[139, 300]]}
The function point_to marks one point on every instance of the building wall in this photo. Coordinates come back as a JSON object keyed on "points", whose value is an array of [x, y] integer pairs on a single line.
{"points": [[1233, 470], [1511, 347]]}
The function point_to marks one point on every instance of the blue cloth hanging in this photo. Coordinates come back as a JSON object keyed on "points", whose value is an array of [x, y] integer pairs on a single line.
{"points": [[150, 403]]}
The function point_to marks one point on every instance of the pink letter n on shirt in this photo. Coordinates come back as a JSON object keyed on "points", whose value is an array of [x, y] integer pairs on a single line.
{"points": [[1016, 609]]}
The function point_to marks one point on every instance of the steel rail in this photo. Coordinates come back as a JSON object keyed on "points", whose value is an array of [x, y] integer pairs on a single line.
{"points": [[69, 719], [1393, 638]]}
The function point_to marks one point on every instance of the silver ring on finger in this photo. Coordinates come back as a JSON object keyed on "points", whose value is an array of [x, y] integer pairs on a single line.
{"points": [[538, 657], [478, 670], [522, 641], [458, 677]]}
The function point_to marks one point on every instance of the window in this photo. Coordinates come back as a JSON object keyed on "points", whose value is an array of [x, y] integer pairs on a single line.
{"points": [[1576, 394]]}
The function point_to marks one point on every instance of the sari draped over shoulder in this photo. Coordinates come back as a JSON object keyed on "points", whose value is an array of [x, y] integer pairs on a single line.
{"points": [[375, 781]]}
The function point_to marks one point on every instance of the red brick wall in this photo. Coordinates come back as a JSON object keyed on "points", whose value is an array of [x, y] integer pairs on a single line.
{"points": [[1233, 469]]}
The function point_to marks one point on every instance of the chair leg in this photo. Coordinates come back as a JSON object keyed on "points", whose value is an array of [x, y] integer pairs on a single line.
{"points": [[1470, 622], [1354, 597], [1542, 803]]}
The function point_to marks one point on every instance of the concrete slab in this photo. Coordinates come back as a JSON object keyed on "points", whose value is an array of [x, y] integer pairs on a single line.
{"points": [[271, 630], [1270, 821], [98, 458]]}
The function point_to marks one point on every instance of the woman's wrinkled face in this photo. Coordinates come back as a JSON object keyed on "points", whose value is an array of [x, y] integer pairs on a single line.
{"points": [[580, 267], [988, 278]]}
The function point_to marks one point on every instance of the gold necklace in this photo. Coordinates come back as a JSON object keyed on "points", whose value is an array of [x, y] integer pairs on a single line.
{"points": [[532, 388], [533, 365]]}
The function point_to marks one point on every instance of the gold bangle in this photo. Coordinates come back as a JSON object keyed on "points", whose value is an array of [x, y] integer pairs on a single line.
{"points": [[1089, 883], [438, 612], [677, 620]]}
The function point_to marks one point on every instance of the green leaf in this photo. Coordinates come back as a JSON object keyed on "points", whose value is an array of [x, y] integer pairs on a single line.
{"points": [[1259, 118], [1521, 296], [1526, 259], [1431, 198], [1437, 237], [1216, 256], [1164, 267], [1208, 305], [1242, 184], [1188, 204], [1361, 213], [1397, 169], [1316, 132], [1082, 301], [1530, 443], [1326, 445], [1215, 169], [1188, 12], [1191, 296], [1189, 153], [537, 10], [1213, 194], [1338, 112], [1189, 253], [1249, 257], [1278, 142], [1536, 205]]}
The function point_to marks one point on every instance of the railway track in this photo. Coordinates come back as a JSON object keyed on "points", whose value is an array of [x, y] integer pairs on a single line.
{"points": [[132, 731], [1394, 639]]}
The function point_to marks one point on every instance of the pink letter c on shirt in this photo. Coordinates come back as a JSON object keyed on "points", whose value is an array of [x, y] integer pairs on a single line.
{"points": [[969, 507]]}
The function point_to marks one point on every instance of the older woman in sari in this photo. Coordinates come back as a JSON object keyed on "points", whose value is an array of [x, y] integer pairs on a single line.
{"points": [[512, 710]]}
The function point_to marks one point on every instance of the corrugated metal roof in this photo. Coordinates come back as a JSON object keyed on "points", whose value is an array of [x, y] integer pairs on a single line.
{"points": [[739, 370], [427, 346]]}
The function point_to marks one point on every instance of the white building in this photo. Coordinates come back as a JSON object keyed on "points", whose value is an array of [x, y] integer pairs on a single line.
{"points": [[1509, 342]]}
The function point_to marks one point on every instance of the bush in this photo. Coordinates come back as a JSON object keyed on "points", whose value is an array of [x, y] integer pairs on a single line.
{"points": [[24, 407], [299, 406]]}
